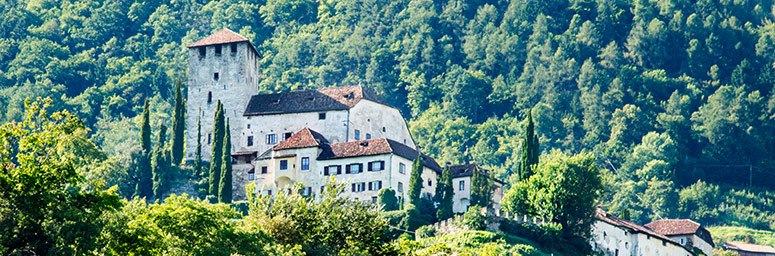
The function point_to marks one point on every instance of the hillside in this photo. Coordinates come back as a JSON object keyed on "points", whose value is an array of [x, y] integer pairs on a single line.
{"points": [[665, 93]]}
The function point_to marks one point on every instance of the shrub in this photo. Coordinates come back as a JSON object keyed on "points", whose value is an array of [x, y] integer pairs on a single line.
{"points": [[474, 219], [425, 231]]}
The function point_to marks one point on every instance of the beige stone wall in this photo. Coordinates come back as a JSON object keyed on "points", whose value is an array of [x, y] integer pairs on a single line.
{"points": [[380, 121]]}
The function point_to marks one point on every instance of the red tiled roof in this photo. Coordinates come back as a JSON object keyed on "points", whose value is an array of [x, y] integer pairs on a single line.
{"points": [[224, 36], [285, 156], [324, 99], [635, 228], [302, 139], [756, 248], [374, 147], [246, 153], [674, 227]]}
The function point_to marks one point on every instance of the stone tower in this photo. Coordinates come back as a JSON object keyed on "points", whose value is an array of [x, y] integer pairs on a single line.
{"points": [[222, 66]]}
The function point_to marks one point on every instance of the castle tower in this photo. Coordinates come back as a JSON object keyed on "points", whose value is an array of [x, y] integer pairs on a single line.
{"points": [[222, 66]]}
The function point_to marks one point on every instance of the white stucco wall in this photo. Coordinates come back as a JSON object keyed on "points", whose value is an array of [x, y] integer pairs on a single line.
{"points": [[705, 247], [613, 240], [237, 81], [380, 121], [333, 128], [461, 198]]}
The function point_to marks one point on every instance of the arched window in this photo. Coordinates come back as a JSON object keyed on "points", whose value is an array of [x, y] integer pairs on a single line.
{"points": [[209, 97]]}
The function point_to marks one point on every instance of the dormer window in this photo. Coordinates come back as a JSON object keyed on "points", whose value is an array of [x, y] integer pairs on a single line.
{"points": [[218, 50]]}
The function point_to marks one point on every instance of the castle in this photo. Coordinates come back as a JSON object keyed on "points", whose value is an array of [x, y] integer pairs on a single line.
{"points": [[307, 136]]}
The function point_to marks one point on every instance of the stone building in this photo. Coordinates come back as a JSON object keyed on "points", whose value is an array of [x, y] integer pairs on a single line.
{"points": [[461, 181], [297, 137]]}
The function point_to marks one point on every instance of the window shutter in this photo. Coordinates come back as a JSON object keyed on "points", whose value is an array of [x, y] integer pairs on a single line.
{"points": [[381, 165], [353, 187], [309, 191], [338, 169], [370, 187], [380, 185], [370, 167], [325, 171], [347, 169], [360, 168]]}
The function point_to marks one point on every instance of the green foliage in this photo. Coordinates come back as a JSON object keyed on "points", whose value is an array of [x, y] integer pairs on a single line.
{"points": [[530, 149], [412, 218], [471, 243], [328, 225], [386, 197], [216, 157], [445, 195], [178, 126], [700, 202], [198, 155], [415, 181], [145, 166], [474, 219], [180, 226], [224, 188], [481, 189], [160, 165], [44, 206], [564, 190]]}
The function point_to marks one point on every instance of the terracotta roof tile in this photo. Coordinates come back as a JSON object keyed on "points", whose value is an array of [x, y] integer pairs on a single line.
{"points": [[632, 226], [674, 227], [302, 139], [325, 99], [374, 147], [224, 36], [755, 248]]}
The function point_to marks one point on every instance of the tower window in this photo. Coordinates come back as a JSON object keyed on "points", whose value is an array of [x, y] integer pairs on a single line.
{"points": [[233, 48], [202, 52], [215, 76], [321, 116], [368, 136], [209, 138], [357, 134], [209, 97], [217, 50], [250, 141], [287, 135]]}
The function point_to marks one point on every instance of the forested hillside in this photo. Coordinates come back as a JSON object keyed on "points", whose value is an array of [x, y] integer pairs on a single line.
{"points": [[663, 92]]}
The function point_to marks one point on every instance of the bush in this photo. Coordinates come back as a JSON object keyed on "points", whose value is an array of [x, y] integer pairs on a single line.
{"points": [[241, 207], [412, 219], [386, 197], [474, 219], [425, 231]]}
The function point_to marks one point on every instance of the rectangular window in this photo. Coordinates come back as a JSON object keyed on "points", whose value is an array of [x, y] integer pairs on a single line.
{"points": [[357, 134], [283, 164], [271, 139], [332, 170], [202, 51], [375, 185], [400, 187], [251, 175], [401, 168], [338, 169], [462, 185], [321, 116], [287, 135], [379, 185], [248, 126], [326, 171], [250, 141], [263, 170], [233, 48], [305, 163], [368, 136], [354, 168], [359, 187], [209, 138], [373, 199], [215, 76], [353, 187], [209, 97], [376, 166], [217, 50]]}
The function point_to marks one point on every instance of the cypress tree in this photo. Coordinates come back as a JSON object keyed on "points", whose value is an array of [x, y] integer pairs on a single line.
{"points": [[529, 149], [198, 157], [481, 188], [145, 173], [415, 181], [446, 194], [225, 192], [159, 165], [216, 155], [178, 126]]}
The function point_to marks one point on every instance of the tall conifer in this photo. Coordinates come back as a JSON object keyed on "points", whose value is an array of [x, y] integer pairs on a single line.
{"points": [[198, 157], [530, 149], [159, 165], [447, 195], [415, 181], [225, 191], [145, 173], [481, 188], [178, 126], [216, 156]]}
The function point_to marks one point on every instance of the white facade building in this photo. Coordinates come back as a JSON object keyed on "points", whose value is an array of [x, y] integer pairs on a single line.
{"points": [[686, 232], [461, 181], [617, 237]]}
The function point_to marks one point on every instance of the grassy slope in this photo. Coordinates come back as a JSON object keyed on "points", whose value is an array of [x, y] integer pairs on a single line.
{"points": [[476, 243], [736, 234]]}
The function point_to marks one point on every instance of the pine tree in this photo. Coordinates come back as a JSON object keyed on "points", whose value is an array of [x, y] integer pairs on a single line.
{"points": [[198, 159], [415, 181], [145, 173], [178, 126], [529, 149], [481, 188], [446, 194], [216, 156], [225, 192], [159, 165]]}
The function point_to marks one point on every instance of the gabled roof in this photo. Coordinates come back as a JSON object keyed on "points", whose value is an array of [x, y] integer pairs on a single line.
{"points": [[632, 226], [675, 227], [374, 147], [303, 139], [324, 99], [467, 170], [755, 248], [224, 36]]}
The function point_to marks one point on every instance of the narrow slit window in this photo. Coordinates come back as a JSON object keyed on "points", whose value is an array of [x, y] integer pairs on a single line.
{"points": [[216, 76], [209, 97]]}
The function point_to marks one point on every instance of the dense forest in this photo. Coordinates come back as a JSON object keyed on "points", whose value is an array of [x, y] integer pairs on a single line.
{"points": [[664, 93]]}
